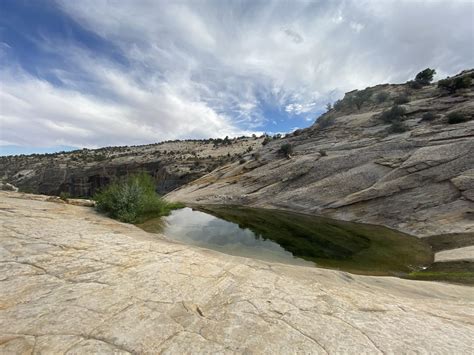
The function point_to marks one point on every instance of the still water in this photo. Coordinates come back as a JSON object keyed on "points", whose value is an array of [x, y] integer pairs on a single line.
{"points": [[293, 238]]}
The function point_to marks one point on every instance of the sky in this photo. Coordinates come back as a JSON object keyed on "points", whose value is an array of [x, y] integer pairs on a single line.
{"points": [[93, 73]]}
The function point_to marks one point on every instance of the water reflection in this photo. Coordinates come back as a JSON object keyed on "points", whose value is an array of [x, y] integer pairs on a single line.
{"points": [[294, 238], [204, 230]]}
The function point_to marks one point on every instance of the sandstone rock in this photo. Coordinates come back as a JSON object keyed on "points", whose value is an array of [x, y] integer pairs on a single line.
{"points": [[466, 253], [465, 184], [5, 186], [76, 282], [81, 202], [81, 173]]}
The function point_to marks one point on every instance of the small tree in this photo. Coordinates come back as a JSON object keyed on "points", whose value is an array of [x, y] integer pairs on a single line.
{"points": [[286, 149], [338, 105], [398, 127], [382, 97], [226, 141], [328, 106], [414, 84], [445, 84], [395, 114], [428, 116], [360, 97], [325, 121], [402, 99], [463, 82], [425, 77], [452, 85]]}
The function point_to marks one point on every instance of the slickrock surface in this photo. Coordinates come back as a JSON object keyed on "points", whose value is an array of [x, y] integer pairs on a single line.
{"points": [[466, 253], [76, 282]]}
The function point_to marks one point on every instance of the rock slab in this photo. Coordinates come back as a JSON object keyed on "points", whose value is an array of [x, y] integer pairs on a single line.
{"points": [[73, 281]]}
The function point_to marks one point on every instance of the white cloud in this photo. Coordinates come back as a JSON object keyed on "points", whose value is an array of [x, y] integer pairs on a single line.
{"points": [[36, 113], [300, 108], [210, 68]]}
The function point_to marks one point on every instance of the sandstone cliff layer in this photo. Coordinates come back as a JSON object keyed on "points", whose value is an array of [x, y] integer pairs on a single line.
{"points": [[81, 173]]}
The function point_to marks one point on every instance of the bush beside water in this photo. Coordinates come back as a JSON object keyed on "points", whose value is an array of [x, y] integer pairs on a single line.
{"points": [[133, 200]]}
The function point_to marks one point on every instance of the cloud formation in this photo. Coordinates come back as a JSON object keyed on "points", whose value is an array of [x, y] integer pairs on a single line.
{"points": [[147, 70]]}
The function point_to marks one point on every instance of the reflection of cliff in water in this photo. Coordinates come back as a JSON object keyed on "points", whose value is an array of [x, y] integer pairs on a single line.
{"points": [[295, 238]]}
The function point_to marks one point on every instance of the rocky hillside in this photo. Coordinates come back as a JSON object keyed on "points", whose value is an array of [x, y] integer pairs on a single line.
{"points": [[82, 172], [399, 155]]}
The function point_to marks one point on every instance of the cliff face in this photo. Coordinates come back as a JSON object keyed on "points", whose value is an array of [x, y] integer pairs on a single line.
{"points": [[82, 172], [415, 174]]}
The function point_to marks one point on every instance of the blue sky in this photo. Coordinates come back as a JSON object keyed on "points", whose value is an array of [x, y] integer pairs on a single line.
{"points": [[94, 73]]}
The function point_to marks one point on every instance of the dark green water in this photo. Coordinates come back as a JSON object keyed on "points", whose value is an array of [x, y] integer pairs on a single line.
{"points": [[296, 239]]}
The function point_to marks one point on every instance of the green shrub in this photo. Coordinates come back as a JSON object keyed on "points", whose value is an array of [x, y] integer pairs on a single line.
{"points": [[428, 116], [382, 97], [286, 149], [414, 84], [463, 82], [133, 200], [325, 121], [99, 157], [400, 100], [398, 127], [64, 195], [394, 114], [425, 77], [457, 117], [266, 140], [445, 84], [338, 105], [452, 85], [360, 97]]}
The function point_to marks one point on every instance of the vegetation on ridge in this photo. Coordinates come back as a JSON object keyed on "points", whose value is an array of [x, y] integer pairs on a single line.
{"points": [[451, 85], [286, 149]]}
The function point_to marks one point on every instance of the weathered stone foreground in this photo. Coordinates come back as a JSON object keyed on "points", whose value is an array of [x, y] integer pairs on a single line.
{"points": [[73, 281]]}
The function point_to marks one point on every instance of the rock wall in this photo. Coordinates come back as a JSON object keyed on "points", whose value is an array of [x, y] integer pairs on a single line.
{"points": [[81, 173]]}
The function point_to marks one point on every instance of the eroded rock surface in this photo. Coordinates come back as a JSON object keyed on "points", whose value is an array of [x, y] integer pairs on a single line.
{"points": [[73, 281], [83, 172]]}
